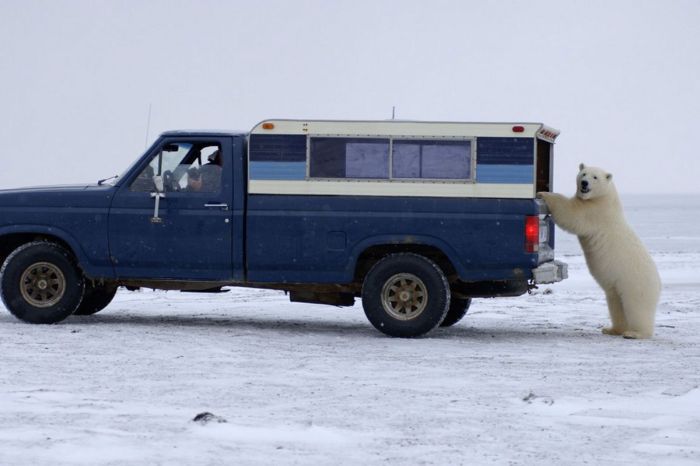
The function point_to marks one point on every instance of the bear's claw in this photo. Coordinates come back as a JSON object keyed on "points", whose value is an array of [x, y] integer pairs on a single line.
{"points": [[611, 331]]}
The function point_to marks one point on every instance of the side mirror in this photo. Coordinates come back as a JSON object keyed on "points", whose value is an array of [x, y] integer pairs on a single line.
{"points": [[158, 182]]}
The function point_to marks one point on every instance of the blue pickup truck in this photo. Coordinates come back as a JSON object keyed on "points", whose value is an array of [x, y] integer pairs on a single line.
{"points": [[414, 218]]}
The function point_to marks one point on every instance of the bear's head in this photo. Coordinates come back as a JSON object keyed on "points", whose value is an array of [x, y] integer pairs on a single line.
{"points": [[593, 182]]}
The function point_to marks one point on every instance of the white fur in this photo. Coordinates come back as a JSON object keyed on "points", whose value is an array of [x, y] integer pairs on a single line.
{"points": [[616, 257]]}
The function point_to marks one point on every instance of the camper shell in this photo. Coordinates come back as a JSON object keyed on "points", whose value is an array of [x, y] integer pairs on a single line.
{"points": [[506, 160]]}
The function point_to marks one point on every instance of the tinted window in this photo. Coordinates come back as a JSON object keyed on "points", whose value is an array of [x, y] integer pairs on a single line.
{"points": [[349, 158], [277, 148], [429, 159], [327, 158], [367, 159], [406, 163]]}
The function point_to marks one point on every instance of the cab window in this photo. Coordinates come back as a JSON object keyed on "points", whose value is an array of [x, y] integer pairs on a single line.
{"points": [[185, 167]]}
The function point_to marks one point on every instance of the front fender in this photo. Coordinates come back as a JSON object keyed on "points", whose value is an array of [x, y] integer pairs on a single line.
{"points": [[89, 267]]}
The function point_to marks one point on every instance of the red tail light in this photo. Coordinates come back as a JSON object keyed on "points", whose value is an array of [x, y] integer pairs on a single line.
{"points": [[532, 233]]}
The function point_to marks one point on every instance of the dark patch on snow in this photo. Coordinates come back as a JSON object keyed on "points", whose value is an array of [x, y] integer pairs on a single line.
{"points": [[207, 417], [530, 397]]}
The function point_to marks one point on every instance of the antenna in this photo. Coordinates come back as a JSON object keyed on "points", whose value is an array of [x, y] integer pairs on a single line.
{"points": [[393, 112], [148, 125]]}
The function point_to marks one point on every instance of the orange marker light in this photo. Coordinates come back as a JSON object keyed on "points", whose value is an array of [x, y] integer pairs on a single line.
{"points": [[268, 126]]}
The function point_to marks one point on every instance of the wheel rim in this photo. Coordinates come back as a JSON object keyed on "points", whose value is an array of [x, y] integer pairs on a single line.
{"points": [[404, 296], [42, 284]]}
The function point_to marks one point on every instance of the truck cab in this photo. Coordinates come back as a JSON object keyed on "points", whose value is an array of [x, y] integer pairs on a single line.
{"points": [[197, 232], [413, 218]]}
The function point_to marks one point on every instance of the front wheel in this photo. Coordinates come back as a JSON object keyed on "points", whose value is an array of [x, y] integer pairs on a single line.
{"points": [[405, 295], [41, 283]]}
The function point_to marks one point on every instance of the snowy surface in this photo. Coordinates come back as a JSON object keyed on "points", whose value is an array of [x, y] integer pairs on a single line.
{"points": [[527, 380]]}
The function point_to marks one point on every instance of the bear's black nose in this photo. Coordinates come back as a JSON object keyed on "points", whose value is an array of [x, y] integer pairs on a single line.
{"points": [[584, 184]]}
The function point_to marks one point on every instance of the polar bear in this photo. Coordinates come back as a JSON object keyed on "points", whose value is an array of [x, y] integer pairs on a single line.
{"points": [[616, 257]]}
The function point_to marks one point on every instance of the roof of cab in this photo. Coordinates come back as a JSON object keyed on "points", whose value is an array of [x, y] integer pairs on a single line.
{"points": [[205, 132]]}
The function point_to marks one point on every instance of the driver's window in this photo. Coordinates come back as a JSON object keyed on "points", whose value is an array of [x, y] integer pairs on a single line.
{"points": [[184, 166]]}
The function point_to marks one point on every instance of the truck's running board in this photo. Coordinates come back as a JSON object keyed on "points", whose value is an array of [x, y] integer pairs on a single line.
{"points": [[334, 299], [208, 290]]}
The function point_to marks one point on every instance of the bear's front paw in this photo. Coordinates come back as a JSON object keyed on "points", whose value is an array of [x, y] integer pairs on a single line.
{"points": [[611, 331]]}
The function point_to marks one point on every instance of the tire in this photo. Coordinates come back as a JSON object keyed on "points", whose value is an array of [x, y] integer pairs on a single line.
{"points": [[40, 283], [95, 298], [458, 309], [405, 295]]}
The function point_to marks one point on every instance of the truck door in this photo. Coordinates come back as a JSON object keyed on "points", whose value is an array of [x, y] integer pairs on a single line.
{"points": [[181, 229]]}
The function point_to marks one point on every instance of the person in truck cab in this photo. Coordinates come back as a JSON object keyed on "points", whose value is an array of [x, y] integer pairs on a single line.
{"points": [[194, 180], [211, 172]]}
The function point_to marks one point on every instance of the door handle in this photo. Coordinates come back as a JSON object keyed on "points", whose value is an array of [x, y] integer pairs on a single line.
{"points": [[217, 206]]}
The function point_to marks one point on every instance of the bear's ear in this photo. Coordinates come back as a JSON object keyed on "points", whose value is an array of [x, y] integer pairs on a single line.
{"points": [[581, 166], [609, 176]]}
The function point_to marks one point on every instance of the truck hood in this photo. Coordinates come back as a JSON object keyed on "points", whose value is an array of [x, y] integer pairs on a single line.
{"points": [[58, 187], [78, 195]]}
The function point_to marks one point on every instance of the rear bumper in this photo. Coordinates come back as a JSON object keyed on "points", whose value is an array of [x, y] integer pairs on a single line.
{"points": [[550, 272]]}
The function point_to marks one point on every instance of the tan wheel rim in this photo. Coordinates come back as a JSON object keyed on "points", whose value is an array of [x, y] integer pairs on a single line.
{"points": [[404, 296], [42, 284]]}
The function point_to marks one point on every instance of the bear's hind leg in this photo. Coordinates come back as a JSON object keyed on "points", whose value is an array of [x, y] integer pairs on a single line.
{"points": [[639, 312], [619, 324]]}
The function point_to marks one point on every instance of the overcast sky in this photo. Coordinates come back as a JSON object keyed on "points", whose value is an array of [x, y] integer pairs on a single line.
{"points": [[620, 79]]}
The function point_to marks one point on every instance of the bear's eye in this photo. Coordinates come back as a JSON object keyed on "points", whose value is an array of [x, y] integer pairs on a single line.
{"points": [[595, 177]]}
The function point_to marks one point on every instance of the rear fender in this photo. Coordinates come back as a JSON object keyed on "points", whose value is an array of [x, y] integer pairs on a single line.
{"points": [[398, 240]]}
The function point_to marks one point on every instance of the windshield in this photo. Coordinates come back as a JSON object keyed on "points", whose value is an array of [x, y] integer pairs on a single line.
{"points": [[113, 180]]}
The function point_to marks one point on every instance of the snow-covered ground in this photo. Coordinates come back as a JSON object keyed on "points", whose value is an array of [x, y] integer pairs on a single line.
{"points": [[527, 380]]}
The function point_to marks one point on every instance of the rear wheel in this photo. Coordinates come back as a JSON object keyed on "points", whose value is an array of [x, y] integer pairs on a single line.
{"points": [[405, 295], [458, 309], [41, 283], [96, 298]]}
